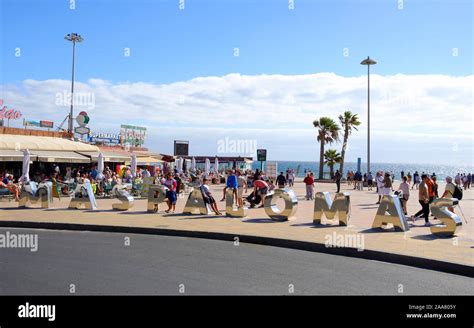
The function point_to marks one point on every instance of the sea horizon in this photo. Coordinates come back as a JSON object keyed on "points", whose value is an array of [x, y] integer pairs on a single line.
{"points": [[441, 170]]}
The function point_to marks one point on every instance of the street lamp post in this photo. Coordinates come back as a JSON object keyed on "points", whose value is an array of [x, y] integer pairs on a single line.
{"points": [[368, 61], [74, 37]]}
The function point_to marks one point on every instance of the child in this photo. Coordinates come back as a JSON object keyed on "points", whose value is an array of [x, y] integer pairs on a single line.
{"points": [[171, 192], [94, 186]]}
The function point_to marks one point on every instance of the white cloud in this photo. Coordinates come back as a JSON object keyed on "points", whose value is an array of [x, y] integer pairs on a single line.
{"points": [[413, 117]]}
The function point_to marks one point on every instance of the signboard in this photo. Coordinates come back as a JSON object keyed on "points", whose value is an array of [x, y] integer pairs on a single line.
{"points": [[31, 123], [132, 135], [261, 155], [106, 138], [39, 124], [81, 130], [272, 169], [8, 113], [47, 124], [181, 148], [82, 119]]}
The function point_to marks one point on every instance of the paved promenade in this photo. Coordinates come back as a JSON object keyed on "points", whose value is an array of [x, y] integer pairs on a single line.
{"points": [[418, 242]]}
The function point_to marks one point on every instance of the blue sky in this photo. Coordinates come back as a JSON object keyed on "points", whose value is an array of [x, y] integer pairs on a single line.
{"points": [[168, 44], [183, 81]]}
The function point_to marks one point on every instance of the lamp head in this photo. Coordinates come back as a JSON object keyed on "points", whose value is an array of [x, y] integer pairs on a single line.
{"points": [[368, 61]]}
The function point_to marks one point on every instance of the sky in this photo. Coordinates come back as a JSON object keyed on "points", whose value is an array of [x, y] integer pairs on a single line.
{"points": [[256, 71]]}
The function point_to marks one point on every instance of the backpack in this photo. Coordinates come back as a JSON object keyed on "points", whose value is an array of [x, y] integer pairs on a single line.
{"points": [[457, 192]]}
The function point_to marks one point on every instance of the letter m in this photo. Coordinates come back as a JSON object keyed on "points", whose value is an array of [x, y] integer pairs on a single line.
{"points": [[341, 206]]}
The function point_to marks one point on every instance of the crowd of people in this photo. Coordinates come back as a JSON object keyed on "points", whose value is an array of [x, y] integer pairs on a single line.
{"points": [[65, 183], [243, 181], [426, 185]]}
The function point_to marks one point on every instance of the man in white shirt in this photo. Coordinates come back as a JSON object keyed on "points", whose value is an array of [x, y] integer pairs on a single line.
{"points": [[380, 185]]}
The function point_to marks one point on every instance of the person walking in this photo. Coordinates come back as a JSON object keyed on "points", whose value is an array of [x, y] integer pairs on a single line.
{"points": [[435, 187], [424, 200], [370, 181], [405, 189], [431, 189], [387, 184], [416, 180], [337, 179], [379, 181], [409, 178], [291, 178], [309, 183], [281, 181]]}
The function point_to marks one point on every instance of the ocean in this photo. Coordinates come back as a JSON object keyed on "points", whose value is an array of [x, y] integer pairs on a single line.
{"points": [[441, 170]]}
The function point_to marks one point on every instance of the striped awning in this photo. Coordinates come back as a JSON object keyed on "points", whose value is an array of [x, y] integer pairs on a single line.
{"points": [[59, 156], [109, 156]]}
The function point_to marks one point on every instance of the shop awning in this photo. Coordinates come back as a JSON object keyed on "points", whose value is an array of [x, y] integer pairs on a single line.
{"points": [[12, 156], [148, 161], [59, 156], [21, 142], [109, 156]]}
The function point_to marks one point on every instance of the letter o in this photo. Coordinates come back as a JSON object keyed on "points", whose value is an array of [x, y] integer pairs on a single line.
{"points": [[291, 205]]}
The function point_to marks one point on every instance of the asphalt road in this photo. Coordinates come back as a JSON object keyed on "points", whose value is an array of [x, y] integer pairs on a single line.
{"points": [[101, 264]]}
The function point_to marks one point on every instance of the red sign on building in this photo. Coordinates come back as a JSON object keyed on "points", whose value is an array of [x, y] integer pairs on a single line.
{"points": [[47, 124]]}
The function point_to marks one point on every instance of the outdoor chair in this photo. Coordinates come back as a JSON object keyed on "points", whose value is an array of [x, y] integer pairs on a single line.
{"points": [[6, 193], [107, 189], [137, 189], [71, 187]]}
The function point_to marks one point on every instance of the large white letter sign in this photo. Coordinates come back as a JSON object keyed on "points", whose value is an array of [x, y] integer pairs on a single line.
{"points": [[291, 204], [229, 206], [340, 206], [392, 205], [83, 195], [156, 195], [195, 202], [450, 221], [41, 195], [126, 200]]}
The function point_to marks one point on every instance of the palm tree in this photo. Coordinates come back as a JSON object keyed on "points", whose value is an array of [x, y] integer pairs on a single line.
{"points": [[331, 157], [328, 132], [348, 121]]}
